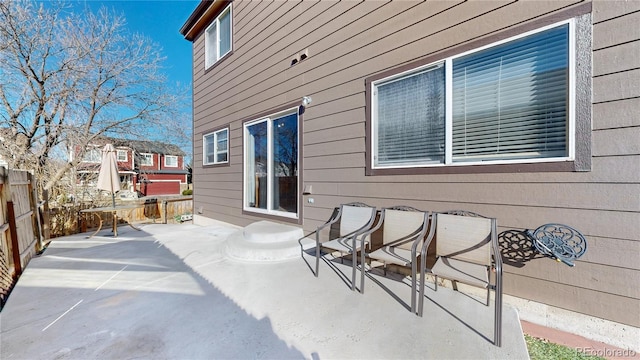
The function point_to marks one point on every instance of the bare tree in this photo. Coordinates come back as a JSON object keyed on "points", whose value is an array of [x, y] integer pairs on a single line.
{"points": [[66, 78]]}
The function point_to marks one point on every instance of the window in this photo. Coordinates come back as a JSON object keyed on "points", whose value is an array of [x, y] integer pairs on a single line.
{"points": [[93, 155], [216, 147], [170, 161], [146, 159], [271, 164], [509, 102], [122, 155], [218, 38]]}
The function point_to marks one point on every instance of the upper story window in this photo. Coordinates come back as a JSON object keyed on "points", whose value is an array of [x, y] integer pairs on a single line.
{"points": [[170, 161], [122, 155], [146, 159], [216, 147], [508, 102], [217, 38], [93, 155]]}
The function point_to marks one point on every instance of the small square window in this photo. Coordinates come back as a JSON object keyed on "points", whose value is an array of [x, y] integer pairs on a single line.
{"points": [[216, 147], [146, 159], [170, 161], [122, 155]]}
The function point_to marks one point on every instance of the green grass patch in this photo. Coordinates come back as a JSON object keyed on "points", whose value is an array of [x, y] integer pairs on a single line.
{"points": [[540, 349]]}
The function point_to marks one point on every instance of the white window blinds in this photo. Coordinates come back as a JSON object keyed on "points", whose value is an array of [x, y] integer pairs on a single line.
{"points": [[411, 119], [510, 101]]}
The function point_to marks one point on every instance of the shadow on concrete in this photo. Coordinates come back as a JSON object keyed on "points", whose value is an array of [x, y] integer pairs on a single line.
{"points": [[121, 298]]}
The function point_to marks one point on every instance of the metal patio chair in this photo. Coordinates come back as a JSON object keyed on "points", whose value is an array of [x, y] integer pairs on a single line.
{"points": [[467, 252], [353, 219], [403, 230]]}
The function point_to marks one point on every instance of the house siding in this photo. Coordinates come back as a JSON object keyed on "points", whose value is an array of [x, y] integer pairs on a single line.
{"points": [[350, 41]]}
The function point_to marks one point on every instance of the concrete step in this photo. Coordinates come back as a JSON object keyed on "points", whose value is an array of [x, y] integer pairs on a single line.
{"points": [[265, 241]]}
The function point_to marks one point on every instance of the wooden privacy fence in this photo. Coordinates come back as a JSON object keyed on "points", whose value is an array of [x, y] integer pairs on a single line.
{"points": [[20, 232], [23, 232], [69, 220]]}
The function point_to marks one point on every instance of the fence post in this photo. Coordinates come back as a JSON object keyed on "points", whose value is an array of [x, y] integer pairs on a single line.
{"points": [[45, 215], [164, 210], [13, 229], [35, 207]]}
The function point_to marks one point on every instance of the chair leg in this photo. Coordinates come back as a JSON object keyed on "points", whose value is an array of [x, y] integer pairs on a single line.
{"points": [[362, 270], [317, 258], [498, 313], [488, 294], [353, 270], [422, 284], [413, 287]]}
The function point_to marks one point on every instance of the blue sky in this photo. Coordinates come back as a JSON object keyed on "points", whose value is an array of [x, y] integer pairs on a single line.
{"points": [[161, 21]]}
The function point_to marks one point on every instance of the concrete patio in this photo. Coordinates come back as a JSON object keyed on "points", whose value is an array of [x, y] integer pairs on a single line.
{"points": [[171, 292]]}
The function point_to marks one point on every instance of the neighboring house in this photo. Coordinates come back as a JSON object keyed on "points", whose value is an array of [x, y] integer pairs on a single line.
{"points": [[148, 167], [523, 111]]}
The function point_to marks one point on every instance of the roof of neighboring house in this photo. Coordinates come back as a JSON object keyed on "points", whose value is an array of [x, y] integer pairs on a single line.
{"points": [[142, 146], [154, 147]]}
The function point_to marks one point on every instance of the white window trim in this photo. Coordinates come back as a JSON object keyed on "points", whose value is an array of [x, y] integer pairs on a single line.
{"points": [[215, 148], [126, 155], [208, 60], [143, 157], [268, 119], [173, 157], [449, 105]]}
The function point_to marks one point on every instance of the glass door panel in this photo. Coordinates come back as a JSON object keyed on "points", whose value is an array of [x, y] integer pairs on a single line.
{"points": [[256, 165], [284, 174]]}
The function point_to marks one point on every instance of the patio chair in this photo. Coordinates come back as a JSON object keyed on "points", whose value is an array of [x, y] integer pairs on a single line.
{"points": [[466, 252], [353, 218], [403, 229]]}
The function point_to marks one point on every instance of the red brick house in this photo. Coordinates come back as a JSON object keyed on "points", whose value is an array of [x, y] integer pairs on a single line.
{"points": [[147, 167]]}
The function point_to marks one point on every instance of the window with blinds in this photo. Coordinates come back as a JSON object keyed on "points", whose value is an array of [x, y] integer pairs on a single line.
{"points": [[411, 116], [508, 102]]}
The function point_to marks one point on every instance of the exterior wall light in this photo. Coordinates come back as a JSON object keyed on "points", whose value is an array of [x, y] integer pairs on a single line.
{"points": [[306, 100]]}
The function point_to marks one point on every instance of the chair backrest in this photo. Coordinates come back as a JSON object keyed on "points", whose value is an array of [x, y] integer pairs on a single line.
{"points": [[353, 218], [400, 225], [464, 238]]}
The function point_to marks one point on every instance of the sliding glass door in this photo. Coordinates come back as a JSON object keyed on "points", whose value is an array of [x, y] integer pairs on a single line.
{"points": [[271, 164]]}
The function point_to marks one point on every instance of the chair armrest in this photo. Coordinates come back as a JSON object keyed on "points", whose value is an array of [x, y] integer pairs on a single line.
{"points": [[423, 231], [366, 233], [497, 255], [432, 233]]}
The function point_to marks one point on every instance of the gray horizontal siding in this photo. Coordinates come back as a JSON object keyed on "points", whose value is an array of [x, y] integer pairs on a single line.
{"points": [[349, 41]]}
